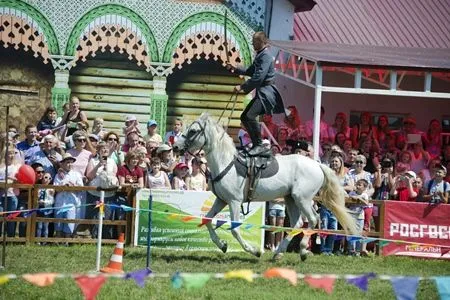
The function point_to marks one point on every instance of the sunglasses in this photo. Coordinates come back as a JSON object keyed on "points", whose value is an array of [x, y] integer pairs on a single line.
{"points": [[47, 178], [80, 140], [112, 139], [141, 143], [93, 140], [39, 172], [359, 162]]}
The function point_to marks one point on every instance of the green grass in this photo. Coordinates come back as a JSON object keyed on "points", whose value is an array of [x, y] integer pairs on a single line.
{"points": [[81, 258]]}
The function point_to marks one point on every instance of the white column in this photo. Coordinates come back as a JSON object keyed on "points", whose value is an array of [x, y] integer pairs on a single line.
{"points": [[317, 106]]}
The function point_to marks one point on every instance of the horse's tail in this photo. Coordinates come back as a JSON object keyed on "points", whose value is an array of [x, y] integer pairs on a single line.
{"points": [[333, 197]]}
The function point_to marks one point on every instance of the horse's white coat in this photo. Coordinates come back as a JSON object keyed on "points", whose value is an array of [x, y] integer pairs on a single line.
{"points": [[298, 180]]}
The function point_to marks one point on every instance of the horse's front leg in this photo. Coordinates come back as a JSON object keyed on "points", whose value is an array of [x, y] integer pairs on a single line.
{"points": [[234, 211], [215, 209]]}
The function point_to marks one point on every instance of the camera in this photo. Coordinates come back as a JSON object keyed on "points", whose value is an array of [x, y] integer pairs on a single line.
{"points": [[104, 158], [387, 164]]}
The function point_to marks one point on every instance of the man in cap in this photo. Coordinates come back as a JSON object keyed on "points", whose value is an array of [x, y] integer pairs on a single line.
{"points": [[152, 135]]}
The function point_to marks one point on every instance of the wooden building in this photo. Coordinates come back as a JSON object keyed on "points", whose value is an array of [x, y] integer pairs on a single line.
{"points": [[154, 59]]}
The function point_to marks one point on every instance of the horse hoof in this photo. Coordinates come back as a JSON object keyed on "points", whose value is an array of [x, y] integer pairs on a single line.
{"points": [[224, 248], [303, 257], [277, 257], [258, 254]]}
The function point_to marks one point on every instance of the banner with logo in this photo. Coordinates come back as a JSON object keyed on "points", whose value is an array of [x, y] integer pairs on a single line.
{"points": [[177, 214], [420, 223]]}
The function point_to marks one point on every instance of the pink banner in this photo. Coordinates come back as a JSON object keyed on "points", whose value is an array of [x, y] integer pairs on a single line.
{"points": [[418, 223]]}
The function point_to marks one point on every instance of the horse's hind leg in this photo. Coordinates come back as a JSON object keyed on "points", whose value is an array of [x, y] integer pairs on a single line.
{"points": [[234, 213], [312, 216], [295, 222], [215, 209]]}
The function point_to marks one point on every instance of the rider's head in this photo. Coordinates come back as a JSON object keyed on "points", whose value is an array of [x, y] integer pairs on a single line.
{"points": [[259, 40]]}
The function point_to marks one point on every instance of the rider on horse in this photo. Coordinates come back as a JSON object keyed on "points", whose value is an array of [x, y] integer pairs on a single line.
{"points": [[267, 99]]}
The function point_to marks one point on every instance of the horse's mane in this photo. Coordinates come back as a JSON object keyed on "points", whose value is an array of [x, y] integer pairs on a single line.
{"points": [[219, 138]]}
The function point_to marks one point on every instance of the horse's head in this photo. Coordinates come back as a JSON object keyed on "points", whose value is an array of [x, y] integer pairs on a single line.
{"points": [[194, 138]]}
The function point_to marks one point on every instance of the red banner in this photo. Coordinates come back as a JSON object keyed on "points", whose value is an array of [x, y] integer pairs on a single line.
{"points": [[418, 223]]}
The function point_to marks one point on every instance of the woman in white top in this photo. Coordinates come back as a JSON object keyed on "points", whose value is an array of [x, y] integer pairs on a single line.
{"points": [[197, 180], [157, 179], [11, 194]]}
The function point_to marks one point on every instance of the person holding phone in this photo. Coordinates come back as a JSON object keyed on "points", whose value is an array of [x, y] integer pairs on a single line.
{"points": [[48, 157]]}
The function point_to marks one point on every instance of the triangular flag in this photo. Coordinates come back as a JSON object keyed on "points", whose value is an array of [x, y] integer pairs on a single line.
{"points": [[40, 279], [405, 288], [220, 223], [369, 240], [325, 283], [234, 224], [187, 218], [339, 237], [309, 232], [248, 226], [4, 279], [443, 286], [139, 276], [279, 229], [195, 281], [295, 232], [381, 244], [354, 238], [13, 215], [90, 286], [126, 208], [204, 221], [64, 209], [244, 274], [444, 250], [176, 280], [29, 213], [288, 274], [172, 216], [361, 282], [113, 206]]}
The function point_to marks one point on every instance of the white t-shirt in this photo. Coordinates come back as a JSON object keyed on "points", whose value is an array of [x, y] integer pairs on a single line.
{"points": [[158, 182]]}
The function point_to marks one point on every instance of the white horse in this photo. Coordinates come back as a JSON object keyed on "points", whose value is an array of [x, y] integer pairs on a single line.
{"points": [[298, 180]]}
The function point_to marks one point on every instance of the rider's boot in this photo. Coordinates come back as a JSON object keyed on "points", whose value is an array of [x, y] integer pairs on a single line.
{"points": [[255, 134]]}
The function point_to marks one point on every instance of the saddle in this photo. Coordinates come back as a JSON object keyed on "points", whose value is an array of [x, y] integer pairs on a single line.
{"points": [[253, 168]]}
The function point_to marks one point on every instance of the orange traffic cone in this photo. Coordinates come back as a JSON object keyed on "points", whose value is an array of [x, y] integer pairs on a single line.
{"points": [[115, 263]]}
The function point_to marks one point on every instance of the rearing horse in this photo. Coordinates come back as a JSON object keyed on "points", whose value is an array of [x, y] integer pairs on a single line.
{"points": [[298, 180]]}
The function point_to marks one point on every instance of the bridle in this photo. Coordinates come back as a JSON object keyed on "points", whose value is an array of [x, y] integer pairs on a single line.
{"points": [[189, 139]]}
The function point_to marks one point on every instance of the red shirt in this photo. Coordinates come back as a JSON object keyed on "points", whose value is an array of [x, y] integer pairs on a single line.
{"points": [[403, 194], [130, 176]]}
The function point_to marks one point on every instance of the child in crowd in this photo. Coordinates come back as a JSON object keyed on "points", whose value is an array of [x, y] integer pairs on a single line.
{"points": [[437, 189], [197, 180], [404, 162], [131, 125], [180, 173], [68, 177], [357, 209], [97, 128], [46, 200], [157, 179]]}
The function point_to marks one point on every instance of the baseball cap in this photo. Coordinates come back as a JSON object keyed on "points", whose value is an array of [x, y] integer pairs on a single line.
{"points": [[411, 174], [163, 147], [151, 123], [68, 156], [130, 118], [181, 166]]}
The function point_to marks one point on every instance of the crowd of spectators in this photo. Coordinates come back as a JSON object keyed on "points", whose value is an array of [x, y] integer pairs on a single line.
{"points": [[371, 161], [64, 152]]}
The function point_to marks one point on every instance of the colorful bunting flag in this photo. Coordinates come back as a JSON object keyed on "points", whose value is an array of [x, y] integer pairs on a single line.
{"points": [[295, 232], [187, 218], [64, 209], [13, 215], [4, 279], [204, 221], [309, 232], [248, 226], [325, 283], [381, 244], [234, 224], [196, 280], [126, 208], [220, 223], [361, 282], [444, 250], [139, 276], [40, 279], [405, 288], [90, 286], [287, 274], [244, 274], [29, 213], [443, 286]]}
